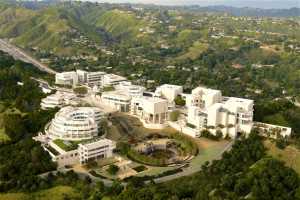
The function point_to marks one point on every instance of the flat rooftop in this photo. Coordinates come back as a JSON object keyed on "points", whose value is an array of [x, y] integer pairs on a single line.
{"points": [[91, 144], [205, 90], [117, 94], [169, 86]]}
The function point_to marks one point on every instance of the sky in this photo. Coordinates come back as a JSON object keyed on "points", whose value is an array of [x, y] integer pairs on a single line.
{"points": [[235, 3]]}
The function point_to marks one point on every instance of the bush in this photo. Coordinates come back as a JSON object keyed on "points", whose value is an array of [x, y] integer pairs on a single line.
{"points": [[281, 143], [140, 168], [179, 101], [219, 134], [174, 115], [113, 169], [209, 135], [190, 125], [81, 91]]}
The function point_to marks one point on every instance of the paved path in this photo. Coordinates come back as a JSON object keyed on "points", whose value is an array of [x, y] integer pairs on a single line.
{"points": [[21, 55], [188, 171]]}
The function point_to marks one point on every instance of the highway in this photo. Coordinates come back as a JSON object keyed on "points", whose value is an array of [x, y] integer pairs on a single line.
{"points": [[21, 55]]}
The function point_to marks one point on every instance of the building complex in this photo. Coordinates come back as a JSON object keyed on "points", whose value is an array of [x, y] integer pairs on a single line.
{"points": [[205, 110], [92, 79]]}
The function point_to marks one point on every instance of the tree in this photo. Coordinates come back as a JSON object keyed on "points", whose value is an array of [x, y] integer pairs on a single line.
{"points": [[103, 127], [81, 91], [219, 134], [179, 101], [113, 169], [174, 115]]}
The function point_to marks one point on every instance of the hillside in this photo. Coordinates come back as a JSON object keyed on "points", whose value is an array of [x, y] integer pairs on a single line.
{"points": [[121, 24], [65, 28], [50, 28]]}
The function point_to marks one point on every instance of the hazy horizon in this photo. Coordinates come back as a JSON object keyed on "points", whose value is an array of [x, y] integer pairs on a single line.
{"points": [[235, 3]]}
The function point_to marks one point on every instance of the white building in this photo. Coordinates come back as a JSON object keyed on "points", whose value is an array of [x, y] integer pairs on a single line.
{"points": [[170, 92], [112, 79], [90, 78], [83, 153], [203, 97], [207, 109], [66, 78], [273, 131], [130, 89], [57, 100], [95, 150], [95, 79], [152, 111], [75, 123], [80, 77], [117, 99]]}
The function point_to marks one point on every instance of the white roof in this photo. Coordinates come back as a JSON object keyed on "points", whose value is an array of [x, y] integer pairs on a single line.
{"points": [[154, 99], [97, 143], [117, 95], [206, 91], [114, 77], [69, 112], [169, 86]]}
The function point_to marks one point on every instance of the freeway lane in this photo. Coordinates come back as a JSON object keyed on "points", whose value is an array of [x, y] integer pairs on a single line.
{"points": [[21, 55]]}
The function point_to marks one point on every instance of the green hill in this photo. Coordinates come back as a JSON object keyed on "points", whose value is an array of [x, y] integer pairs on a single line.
{"points": [[49, 28], [120, 24], [55, 28]]}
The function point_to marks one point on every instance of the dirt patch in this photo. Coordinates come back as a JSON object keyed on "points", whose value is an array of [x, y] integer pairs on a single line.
{"points": [[290, 155]]}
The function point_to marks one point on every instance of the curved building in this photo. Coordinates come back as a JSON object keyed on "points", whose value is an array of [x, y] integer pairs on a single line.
{"points": [[58, 99], [75, 123]]}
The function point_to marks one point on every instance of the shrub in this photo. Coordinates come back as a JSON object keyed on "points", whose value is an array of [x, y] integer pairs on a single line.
{"points": [[281, 143], [81, 91], [219, 134], [179, 101], [113, 169], [209, 135], [190, 125], [174, 115]]}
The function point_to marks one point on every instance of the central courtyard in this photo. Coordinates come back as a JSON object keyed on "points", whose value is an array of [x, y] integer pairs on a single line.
{"points": [[154, 153]]}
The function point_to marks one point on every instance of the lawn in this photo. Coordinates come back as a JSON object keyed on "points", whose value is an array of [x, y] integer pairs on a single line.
{"points": [[56, 193], [66, 145], [290, 155]]}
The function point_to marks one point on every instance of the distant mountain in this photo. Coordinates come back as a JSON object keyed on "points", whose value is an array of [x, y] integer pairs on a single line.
{"points": [[247, 11]]}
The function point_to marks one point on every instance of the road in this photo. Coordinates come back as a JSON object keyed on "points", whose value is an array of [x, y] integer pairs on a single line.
{"points": [[21, 55]]}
